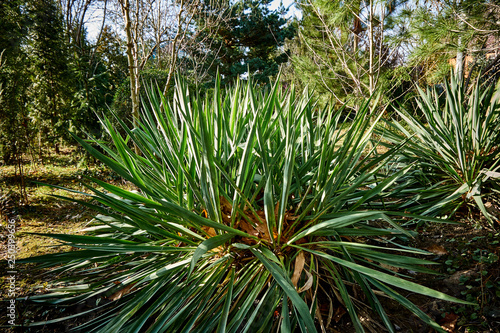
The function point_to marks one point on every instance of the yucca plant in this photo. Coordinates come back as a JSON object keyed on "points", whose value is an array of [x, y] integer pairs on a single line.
{"points": [[454, 148], [251, 214]]}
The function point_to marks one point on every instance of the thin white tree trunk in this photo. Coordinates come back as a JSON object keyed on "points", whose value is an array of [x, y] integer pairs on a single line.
{"points": [[133, 69], [371, 72], [459, 65]]}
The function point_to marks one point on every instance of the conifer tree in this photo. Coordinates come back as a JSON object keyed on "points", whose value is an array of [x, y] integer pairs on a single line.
{"points": [[445, 35], [14, 122], [251, 39], [342, 47], [52, 83]]}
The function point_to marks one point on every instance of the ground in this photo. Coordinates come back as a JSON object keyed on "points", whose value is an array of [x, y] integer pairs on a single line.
{"points": [[467, 253], [469, 269]]}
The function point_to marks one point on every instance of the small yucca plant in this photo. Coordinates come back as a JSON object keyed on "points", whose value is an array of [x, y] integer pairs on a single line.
{"points": [[454, 148], [251, 215]]}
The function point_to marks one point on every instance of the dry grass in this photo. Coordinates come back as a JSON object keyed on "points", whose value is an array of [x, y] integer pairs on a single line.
{"points": [[36, 211]]}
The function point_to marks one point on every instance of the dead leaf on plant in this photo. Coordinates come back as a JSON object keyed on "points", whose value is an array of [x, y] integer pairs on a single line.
{"points": [[261, 227], [338, 314], [308, 283], [493, 210], [247, 227], [122, 292], [210, 231], [392, 268], [299, 266], [258, 229], [225, 206]]}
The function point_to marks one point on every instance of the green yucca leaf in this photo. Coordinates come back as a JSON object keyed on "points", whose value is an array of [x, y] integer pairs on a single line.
{"points": [[451, 144], [207, 245], [406, 303], [284, 283], [389, 279]]}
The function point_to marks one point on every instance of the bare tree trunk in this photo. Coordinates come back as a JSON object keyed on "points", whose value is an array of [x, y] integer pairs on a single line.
{"points": [[149, 24], [356, 31], [133, 69], [459, 66], [173, 53], [40, 153], [371, 72]]}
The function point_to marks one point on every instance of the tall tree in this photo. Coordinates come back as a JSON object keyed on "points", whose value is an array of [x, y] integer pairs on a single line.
{"points": [[250, 39], [152, 27], [342, 46], [98, 69], [444, 34], [74, 16], [51, 92], [97, 64], [15, 125]]}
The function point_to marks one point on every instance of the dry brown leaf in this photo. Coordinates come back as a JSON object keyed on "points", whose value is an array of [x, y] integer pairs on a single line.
{"points": [[226, 219], [121, 292], [449, 322], [225, 206], [290, 217], [330, 312], [299, 266], [437, 249], [392, 268], [339, 313], [258, 229], [210, 231], [320, 319], [308, 283], [262, 227], [493, 210], [247, 227], [347, 238]]}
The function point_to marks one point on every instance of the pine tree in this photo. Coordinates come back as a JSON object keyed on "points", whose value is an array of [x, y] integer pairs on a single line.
{"points": [[342, 50], [450, 35], [251, 40]]}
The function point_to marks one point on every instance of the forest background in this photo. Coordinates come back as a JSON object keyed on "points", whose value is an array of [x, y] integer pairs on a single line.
{"points": [[54, 78]]}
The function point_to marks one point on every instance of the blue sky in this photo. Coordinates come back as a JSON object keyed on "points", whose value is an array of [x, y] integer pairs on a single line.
{"points": [[287, 3], [93, 24]]}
